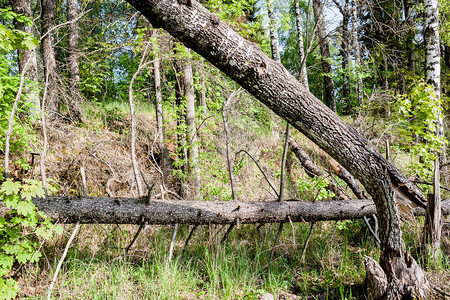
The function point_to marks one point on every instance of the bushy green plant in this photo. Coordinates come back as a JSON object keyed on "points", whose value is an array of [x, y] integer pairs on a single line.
{"points": [[22, 224], [20, 230], [416, 114], [316, 187], [10, 41]]}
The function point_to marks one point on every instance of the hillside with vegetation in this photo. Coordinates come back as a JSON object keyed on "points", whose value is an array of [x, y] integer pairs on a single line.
{"points": [[98, 102]]}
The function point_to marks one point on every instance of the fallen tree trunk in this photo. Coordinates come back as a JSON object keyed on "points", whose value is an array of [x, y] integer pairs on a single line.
{"points": [[105, 210]]}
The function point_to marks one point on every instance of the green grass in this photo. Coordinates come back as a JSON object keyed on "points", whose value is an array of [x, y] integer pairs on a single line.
{"points": [[97, 268]]}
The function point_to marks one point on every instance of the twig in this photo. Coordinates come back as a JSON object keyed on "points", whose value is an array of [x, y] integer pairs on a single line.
{"points": [[225, 236], [172, 243], [429, 183], [293, 231], [372, 232], [280, 229], [83, 179], [147, 201], [135, 237], [262, 171], [11, 118], [283, 163], [61, 260], [228, 142], [305, 246], [133, 122], [188, 239]]}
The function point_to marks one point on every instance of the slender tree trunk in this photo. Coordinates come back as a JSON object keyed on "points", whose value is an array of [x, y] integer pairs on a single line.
{"points": [[49, 58], [303, 76], [194, 172], [203, 107], [345, 52], [273, 29], [73, 67], [23, 7], [410, 37], [272, 84], [161, 144], [433, 220], [181, 119], [325, 55], [356, 51]]}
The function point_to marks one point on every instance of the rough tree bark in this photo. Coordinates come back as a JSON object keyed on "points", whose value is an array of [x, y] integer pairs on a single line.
{"points": [[23, 7], [105, 210], [73, 67], [49, 58], [272, 84], [325, 54], [303, 75], [433, 220]]}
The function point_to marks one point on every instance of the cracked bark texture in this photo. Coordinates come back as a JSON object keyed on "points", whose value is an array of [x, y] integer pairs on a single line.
{"points": [[274, 86]]}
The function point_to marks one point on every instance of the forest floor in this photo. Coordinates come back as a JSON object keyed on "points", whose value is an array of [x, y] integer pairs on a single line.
{"points": [[246, 265]]}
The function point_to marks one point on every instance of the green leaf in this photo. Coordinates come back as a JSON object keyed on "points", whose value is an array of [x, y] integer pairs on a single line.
{"points": [[25, 208], [10, 187]]}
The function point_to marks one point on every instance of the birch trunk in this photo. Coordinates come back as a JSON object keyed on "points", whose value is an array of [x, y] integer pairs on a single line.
{"points": [[273, 29], [23, 7], [273, 85], [433, 220]]}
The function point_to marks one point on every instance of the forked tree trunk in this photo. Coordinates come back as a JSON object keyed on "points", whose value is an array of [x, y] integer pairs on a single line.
{"points": [[433, 220], [49, 58], [325, 54], [23, 7], [272, 84], [73, 67]]}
